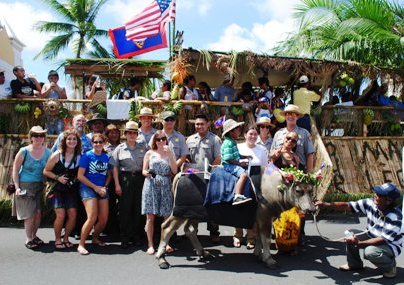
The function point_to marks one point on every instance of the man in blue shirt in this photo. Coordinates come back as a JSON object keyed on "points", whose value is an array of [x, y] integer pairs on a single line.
{"points": [[225, 92]]}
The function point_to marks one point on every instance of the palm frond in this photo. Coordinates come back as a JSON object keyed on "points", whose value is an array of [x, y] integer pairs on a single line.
{"points": [[54, 46], [46, 27]]}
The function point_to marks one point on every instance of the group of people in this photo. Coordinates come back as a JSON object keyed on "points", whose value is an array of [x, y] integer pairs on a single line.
{"points": [[98, 169]]}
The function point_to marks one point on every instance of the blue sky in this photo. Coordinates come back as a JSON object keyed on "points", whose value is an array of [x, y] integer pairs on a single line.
{"points": [[210, 24]]}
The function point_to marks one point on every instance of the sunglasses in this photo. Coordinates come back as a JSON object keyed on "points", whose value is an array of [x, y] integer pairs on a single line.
{"points": [[38, 135], [169, 120], [290, 114], [98, 142], [291, 139], [132, 132], [161, 139], [266, 127]]}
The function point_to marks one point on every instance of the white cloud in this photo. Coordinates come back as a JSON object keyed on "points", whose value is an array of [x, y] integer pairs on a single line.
{"points": [[235, 38], [262, 37], [22, 20], [201, 7], [123, 10]]}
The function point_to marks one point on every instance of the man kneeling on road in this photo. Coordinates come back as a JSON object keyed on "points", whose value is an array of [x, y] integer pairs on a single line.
{"points": [[384, 225]]}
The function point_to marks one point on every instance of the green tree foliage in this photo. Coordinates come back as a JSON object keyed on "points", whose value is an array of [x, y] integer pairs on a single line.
{"points": [[366, 31], [78, 30]]}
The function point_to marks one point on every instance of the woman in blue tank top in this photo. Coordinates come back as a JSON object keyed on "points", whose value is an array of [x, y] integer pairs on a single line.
{"points": [[28, 179]]}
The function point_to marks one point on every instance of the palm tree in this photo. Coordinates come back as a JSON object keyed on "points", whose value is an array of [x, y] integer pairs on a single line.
{"points": [[366, 31], [79, 29]]}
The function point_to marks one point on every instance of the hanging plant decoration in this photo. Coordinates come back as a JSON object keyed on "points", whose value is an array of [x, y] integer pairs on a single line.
{"points": [[22, 108]]}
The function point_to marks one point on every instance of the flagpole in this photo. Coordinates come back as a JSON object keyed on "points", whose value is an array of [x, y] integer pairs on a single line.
{"points": [[169, 41]]}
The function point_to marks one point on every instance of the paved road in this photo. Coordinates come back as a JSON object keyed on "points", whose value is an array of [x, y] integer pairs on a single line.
{"points": [[316, 264]]}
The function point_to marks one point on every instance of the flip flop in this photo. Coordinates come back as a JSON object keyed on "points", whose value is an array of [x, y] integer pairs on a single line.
{"points": [[250, 245], [236, 242], [68, 244], [60, 245], [82, 250], [38, 241]]}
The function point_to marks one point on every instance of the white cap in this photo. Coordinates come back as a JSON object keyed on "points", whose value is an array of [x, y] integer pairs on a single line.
{"points": [[303, 79]]}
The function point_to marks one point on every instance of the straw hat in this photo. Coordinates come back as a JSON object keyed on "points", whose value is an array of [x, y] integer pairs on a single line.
{"points": [[229, 125], [37, 130], [292, 109], [131, 126], [98, 98], [264, 121], [145, 112], [97, 117]]}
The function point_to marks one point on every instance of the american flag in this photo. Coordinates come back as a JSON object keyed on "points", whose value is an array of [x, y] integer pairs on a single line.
{"points": [[151, 20]]}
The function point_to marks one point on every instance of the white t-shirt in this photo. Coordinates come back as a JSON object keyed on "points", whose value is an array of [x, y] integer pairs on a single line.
{"points": [[259, 154], [5, 90]]}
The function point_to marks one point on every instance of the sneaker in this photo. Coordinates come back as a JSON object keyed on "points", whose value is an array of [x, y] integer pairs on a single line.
{"points": [[240, 199], [347, 267], [391, 273]]}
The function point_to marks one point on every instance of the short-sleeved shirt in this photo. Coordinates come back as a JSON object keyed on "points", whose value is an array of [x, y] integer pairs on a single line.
{"points": [[304, 144], [199, 148], [258, 153], [26, 87], [303, 98], [176, 142], [5, 90], [224, 94], [385, 225], [229, 150], [85, 143], [147, 136], [127, 159], [96, 167], [267, 144]]}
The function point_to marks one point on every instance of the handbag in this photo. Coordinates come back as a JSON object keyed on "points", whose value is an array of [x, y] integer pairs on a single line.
{"points": [[11, 186]]}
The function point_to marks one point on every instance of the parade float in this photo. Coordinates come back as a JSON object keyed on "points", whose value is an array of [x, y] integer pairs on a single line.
{"points": [[360, 146]]}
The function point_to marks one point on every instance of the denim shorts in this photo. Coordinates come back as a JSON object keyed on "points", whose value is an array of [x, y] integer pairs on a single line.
{"points": [[88, 193], [64, 200], [233, 169]]}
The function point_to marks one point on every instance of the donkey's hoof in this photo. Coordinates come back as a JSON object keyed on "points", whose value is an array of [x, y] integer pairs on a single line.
{"points": [[164, 265], [207, 256], [272, 265]]}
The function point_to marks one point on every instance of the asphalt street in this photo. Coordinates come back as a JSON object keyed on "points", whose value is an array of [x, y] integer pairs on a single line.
{"points": [[316, 263]]}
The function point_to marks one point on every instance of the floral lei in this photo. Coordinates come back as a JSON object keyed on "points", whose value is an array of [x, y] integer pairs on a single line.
{"points": [[293, 175]]}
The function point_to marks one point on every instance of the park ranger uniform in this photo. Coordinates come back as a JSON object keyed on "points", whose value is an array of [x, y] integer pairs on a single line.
{"points": [[199, 148]]}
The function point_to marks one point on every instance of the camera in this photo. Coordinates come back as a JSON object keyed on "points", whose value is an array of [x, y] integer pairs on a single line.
{"points": [[152, 172], [22, 192]]}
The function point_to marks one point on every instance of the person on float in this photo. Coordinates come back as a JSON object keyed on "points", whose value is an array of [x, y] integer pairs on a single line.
{"points": [[265, 126]]}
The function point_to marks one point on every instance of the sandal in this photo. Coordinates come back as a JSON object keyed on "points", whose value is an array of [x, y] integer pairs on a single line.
{"points": [[150, 251], [82, 250], [31, 245], [60, 245], [38, 241], [250, 245], [236, 242], [99, 242], [68, 244]]}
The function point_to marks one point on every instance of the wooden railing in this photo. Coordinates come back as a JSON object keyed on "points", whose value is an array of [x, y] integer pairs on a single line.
{"points": [[359, 121]]}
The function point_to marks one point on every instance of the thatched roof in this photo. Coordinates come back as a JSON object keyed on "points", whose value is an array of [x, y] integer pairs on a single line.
{"points": [[248, 66], [108, 67]]}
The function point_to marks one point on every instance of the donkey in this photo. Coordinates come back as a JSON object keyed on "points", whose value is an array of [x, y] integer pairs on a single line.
{"points": [[271, 202]]}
